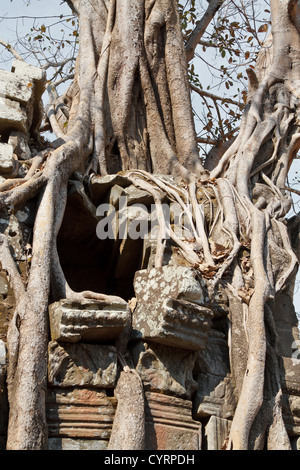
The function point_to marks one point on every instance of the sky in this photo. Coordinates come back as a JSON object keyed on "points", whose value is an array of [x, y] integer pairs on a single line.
{"points": [[11, 27]]}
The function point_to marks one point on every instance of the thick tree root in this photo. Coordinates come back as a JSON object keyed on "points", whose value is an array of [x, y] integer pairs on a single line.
{"points": [[128, 432]]}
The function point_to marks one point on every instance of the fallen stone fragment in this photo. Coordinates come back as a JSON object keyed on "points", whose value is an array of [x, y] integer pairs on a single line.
{"points": [[82, 365], [12, 116], [7, 161], [19, 142]]}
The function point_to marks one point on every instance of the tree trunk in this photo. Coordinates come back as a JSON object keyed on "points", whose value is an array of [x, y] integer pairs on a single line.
{"points": [[130, 110]]}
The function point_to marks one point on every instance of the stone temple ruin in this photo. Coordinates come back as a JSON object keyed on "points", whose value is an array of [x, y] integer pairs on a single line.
{"points": [[178, 339]]}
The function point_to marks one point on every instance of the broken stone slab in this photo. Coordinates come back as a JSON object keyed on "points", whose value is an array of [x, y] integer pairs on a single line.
{"points": [[130, 195], [79, 413], [15, 87], [87, 321], [7, 161], [169, 424], [291, 413], [216, 433], [291, 422], [34, 75], [12, 116], [214, 359], [165, 371], [171, 307], [220, 402], [36, 78], [100, 185], [82, 365]]}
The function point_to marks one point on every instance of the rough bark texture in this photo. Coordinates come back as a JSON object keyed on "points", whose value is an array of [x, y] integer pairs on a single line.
{"points": [[129, 110]]}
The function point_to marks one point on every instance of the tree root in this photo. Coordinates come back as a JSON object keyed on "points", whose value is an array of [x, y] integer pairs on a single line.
{"points": [[128, 432]]}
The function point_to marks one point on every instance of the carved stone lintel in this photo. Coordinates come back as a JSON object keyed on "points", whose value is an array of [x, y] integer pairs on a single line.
{"points": [[87, 321]]}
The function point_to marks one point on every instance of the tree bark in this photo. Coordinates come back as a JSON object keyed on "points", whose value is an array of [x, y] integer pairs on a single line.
{"points": [[130, 110]]}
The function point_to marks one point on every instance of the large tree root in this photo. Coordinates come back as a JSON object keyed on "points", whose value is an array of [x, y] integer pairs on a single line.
{"points": [[128, 432]]}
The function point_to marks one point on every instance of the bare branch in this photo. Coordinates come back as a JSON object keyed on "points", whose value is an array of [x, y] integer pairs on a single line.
{"points": [[201, 27], [216, 97], [292, 190], [11, 49], [56, 64]]}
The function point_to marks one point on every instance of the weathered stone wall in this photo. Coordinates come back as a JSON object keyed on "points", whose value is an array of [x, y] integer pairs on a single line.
{"points": [[20, 117]]}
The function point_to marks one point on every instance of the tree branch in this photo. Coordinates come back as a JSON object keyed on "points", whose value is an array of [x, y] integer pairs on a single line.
{"points": [[201, 27], [11, 50], [216, 97], [292, 190]]}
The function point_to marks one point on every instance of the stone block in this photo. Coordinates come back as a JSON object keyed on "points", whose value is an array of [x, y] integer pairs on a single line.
{"points": [[36, 78], [12, 116], [169, 424], [171, 307], [216, 432], [82, 365], [7, 162], [87, 321], [290, 375], [165, 371], [79, 414], [286, 323], [131, 194], [213, 393], [100, 186], [15, 87], [18, 140], [34, 75], [214, 359]]}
